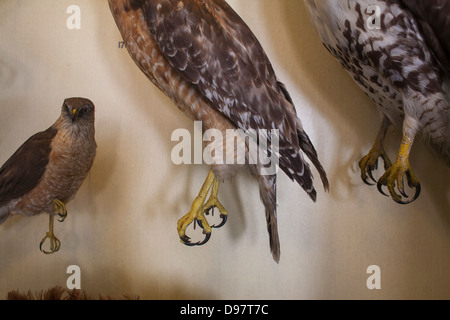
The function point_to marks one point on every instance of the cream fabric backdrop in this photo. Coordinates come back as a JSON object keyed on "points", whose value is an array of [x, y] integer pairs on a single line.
{"points": [[121, 228]]}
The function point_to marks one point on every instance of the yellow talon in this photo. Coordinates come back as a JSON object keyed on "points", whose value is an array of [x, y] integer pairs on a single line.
{"points": [[198, 210], [369, 163], [396, 173], [55, 244], [60, 209], [213, 202]]}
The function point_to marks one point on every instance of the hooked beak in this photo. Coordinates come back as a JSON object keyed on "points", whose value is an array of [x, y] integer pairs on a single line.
{"points": [[72, 113]]}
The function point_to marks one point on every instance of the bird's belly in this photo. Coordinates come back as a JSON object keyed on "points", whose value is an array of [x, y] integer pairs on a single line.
{"points": [[388, 100], [33, 203], [344, 29]]}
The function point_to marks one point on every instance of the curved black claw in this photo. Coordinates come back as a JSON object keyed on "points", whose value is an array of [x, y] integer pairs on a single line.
{"points": [[418, 188], [368, 166], [55, 244], [200, 224], [402, 191], [224, 220], [369, 173], [380, 189], [416, 195], [60, 209], [187, 240], [223, 216]]}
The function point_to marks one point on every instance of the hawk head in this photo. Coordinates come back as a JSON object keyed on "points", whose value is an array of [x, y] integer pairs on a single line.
{"points": [[78, 110]]}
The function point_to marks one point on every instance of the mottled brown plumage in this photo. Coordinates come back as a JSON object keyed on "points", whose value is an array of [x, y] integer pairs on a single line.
{"points": [[434, 19], [402, 64], [60, 293], [206, 59], [45, 173]]}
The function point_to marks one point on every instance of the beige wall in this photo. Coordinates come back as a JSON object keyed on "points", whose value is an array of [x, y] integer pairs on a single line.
{"points": [[121, 228]]}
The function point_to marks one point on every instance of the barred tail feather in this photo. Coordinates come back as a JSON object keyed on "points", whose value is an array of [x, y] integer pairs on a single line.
{"points": [[267, 190], [293, 165], [308, 148]]}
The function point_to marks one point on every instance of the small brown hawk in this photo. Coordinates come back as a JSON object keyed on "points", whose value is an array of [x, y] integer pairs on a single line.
{"points": [[45, 173], [398, 52], [206, 59]]}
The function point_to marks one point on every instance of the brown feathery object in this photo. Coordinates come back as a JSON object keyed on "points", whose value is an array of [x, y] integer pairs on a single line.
{"points": [[59, 293]]}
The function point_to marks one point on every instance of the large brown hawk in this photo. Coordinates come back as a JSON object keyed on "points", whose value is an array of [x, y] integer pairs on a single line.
{"points": [[206, 59], [45, 173], [398, 52]]}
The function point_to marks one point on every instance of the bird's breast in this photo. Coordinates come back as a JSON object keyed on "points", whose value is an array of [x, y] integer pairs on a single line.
{"points": [[70, 160], [381, 47], [69, 163]]}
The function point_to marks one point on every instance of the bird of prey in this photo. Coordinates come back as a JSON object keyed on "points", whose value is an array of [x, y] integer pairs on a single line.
{"points": [[203, 56], [45, 173], [398, 52]]}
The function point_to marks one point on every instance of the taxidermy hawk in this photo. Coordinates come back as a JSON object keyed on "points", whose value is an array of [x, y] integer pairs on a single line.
{"points": [[45, 173], [206, 59], [402, 63]]}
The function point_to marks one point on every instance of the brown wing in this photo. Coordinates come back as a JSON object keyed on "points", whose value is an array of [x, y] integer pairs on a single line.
{"points": [[212, 48], [434, 18], [23, 171]]}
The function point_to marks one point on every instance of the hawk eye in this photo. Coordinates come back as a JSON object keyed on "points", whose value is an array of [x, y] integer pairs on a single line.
{"points": [[85, 108]]}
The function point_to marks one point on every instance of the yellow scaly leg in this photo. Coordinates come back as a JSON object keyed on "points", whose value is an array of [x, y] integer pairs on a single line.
{"points": [[396, 173], [198, 210], [369, 163], [214, 202], [55, 243], [60, 209]]}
